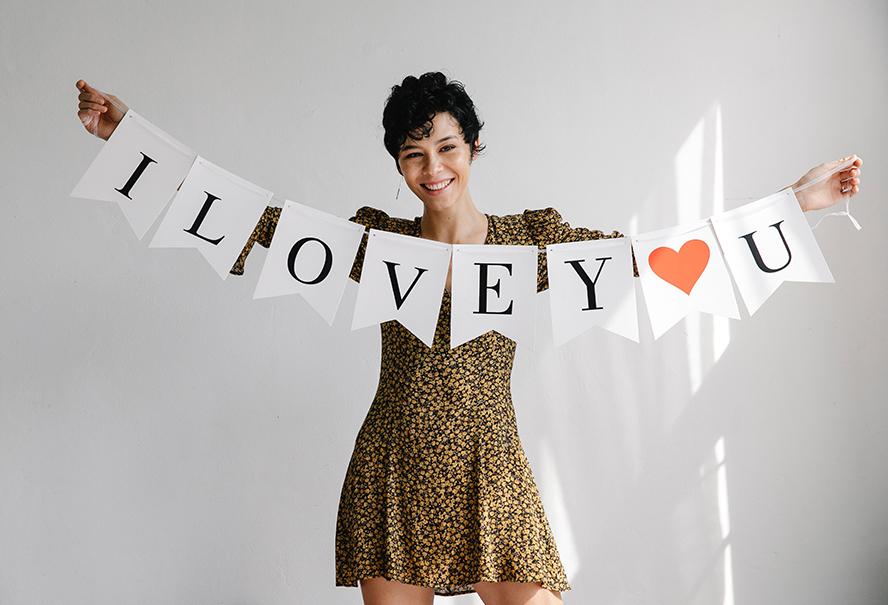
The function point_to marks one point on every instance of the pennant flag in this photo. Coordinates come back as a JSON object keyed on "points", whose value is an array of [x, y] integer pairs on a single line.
{"points": [[682, 269], [591, 284], [140, 168], [402, 278], [767, 243], [214, 211], [311, 254], [494, 288]]}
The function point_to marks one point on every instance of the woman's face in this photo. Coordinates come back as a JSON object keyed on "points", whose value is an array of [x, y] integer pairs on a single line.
{"points": [[436, 168]]}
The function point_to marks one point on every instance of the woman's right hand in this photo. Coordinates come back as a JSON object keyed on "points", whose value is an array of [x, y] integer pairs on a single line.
{"points": [[99, 113]]}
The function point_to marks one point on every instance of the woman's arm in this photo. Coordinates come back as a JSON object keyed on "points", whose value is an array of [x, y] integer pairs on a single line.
{"points": [[100, 114], [831, 190]]}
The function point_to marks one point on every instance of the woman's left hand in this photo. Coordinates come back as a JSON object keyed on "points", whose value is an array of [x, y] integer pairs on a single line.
{"points": [[831, 190]]}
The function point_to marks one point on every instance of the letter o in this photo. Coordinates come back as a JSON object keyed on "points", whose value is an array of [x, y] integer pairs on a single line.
{"points": [[325, 270]]}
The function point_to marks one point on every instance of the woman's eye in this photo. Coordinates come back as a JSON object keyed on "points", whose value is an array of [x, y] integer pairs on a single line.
{"points": [[410, 156], [448, 147]]}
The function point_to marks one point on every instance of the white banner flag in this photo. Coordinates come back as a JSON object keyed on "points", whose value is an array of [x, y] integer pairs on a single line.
{"points": [[402, 278], [214, 211], [494, 288], [140, 168], [682, 269], [592, 284], [311, 254], [767, 243]]}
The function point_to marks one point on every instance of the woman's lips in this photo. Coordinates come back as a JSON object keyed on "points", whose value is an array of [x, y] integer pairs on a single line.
{"points": [[436, 187]]}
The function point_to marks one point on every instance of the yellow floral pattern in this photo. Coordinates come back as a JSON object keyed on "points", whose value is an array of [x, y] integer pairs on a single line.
{"points": [[438, 492]]}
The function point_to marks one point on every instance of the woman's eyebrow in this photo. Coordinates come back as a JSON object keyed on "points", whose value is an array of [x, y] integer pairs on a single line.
{"points": [[438, 142]]}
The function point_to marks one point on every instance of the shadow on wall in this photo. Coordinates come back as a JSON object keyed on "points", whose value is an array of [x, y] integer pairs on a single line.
{"points": [[660, 502]]}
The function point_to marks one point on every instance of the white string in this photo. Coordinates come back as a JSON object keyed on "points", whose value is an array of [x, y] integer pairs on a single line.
{"points": [[847, 213], [843, 166]]}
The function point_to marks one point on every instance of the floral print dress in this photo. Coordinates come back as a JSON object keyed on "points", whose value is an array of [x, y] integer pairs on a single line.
{"points": [[438, 492]]}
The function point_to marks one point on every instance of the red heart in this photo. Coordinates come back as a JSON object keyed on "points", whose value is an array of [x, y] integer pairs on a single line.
{"points": [[682, 269]]}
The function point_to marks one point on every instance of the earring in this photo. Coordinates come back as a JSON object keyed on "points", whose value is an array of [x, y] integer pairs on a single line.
{"points": [[398, 194]]}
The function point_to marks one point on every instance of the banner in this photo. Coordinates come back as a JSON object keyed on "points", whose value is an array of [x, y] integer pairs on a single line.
{"points": [[402, 278], [214, 211], [311, 254], [592, 284], [493, 288], [767, 243], [682, 269], [140, 168]]}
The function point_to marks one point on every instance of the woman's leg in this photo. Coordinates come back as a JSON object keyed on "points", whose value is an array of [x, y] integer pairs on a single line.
{"points": [[379, 591], [514, 593]]}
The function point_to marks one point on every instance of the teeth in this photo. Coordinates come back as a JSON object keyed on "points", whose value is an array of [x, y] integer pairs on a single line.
{"points": [[438, 186]]}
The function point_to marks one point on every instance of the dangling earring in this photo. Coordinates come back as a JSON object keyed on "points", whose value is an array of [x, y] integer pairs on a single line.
{"points": [[398, 194]]}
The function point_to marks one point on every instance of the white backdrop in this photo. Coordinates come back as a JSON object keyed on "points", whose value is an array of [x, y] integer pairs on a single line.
{"points": [[166, 439]]}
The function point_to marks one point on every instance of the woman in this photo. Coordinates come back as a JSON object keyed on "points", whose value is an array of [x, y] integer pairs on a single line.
{"points": [[439, 497]]}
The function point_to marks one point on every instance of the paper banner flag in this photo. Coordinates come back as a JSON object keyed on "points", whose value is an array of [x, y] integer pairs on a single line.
{"points": [[767, 243], [311, 254], [402, 278], [214, 211], [591, 284], [494, 288], [682, 269], [140, 168]]}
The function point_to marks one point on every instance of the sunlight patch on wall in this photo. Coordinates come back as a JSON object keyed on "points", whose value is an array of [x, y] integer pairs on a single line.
{"points": [[552, 494], [724, 519], [699, 194]]}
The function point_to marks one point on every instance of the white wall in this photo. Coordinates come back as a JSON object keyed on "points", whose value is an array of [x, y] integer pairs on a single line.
{"points": [[166, 439]]}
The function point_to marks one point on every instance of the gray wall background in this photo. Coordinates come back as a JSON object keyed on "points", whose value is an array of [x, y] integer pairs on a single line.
{"points": [[166, 439]]}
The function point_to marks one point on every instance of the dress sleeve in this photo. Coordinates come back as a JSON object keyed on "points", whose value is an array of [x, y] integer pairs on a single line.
{"points": [[371, 218], [546, 227], [262, 235]]}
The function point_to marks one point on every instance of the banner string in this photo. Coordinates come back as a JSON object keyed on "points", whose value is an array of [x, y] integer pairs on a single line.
{"points": [[847, 212]]}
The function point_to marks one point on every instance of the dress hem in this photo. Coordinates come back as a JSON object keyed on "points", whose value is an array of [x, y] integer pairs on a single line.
{"points": [[444, 590]]}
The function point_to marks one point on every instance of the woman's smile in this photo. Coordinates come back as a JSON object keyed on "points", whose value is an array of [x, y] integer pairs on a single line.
{"points": [[437, 187]]}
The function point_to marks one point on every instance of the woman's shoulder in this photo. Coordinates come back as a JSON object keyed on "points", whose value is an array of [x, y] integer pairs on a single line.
{"points": [[378, 219], [528, 227], [543, 227]]}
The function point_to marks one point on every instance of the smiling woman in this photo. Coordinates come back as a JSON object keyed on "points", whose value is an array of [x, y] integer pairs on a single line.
{"points": [[439, 497]]}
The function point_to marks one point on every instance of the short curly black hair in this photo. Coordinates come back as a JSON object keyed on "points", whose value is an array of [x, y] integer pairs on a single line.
{"points": [[413, 104]]}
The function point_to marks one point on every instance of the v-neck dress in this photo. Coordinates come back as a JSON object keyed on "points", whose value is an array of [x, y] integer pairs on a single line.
{"points": [[438, 492]]}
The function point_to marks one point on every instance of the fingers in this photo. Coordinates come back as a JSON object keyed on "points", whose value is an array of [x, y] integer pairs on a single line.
{"points": [[849, 180], [90, 100], [857, 161], [91, 107], [82, 86]]}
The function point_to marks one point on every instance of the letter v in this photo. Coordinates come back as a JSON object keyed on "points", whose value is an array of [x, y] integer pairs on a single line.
{"points": [[396, 290]]}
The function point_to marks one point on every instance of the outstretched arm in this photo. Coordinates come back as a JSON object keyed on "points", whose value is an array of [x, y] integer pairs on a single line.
{"points": [[100, 114], [830, 190]]}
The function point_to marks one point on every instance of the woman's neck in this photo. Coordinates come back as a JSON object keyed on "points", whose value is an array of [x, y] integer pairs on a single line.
{"points": [[456, 225]]}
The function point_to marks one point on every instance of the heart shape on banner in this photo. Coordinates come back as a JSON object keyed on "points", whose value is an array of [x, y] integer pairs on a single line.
{"points": [[682, 269]]}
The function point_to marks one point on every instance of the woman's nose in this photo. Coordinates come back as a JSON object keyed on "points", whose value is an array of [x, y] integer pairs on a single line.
{"points": [[432, 164]]}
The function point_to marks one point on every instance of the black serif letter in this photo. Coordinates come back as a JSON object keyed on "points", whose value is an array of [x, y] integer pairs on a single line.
{"points": [[758, 257], [396, 290], [484, 287], [137, 173], [590, 283], [325, 270], [200, 219]]}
